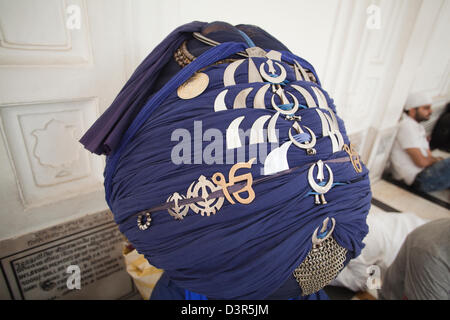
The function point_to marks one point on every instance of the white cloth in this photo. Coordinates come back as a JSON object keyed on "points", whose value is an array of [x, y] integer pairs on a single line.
{"points": [[387, 232], [417, 99], [410, 135]]}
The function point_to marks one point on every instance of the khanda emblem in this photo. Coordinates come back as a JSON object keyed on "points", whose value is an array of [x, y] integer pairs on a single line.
{"points": [[276, 81], [178, 212], [200, 188], [320, 189], [204, 188]]}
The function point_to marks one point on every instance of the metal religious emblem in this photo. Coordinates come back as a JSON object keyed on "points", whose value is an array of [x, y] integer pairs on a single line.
{"points": [[219, 179], [300, 73], [321, 190], [200, 189], [194, 86], [354, 157], [324, 234], [323, 263], [273, 78], [177, 212], [144, 224], [308, 145], [253, 74], [285, 101]]}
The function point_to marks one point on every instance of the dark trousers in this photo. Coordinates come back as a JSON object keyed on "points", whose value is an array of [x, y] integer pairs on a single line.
{"points": [[433, 178]]}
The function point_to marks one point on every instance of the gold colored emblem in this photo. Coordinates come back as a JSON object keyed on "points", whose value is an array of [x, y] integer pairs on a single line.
{"points": [[354, 157], [194, 86], [219, 179]]}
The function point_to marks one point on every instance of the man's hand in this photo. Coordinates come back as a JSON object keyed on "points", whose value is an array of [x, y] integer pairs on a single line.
{"points": [[419, 159]]}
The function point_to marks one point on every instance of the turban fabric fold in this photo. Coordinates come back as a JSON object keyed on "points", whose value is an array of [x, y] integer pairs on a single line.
{"points": [[243, 251]]}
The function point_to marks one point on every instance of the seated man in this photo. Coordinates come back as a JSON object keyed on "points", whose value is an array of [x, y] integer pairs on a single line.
{"points": [[411, 157]]}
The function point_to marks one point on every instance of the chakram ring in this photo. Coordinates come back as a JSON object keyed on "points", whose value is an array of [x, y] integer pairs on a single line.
{"points": [[144, 225], [308, 145], [267, 77], [290, 111], [316, 240]]}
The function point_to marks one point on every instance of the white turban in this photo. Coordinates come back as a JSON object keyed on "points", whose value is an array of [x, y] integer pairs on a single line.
{"points": [[417, 99]]}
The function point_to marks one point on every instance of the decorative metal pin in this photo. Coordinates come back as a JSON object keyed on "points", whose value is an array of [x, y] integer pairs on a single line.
{"points": [[271, 67], [271, 131], [200, 189], [318, 240], [232, 134], [309, 145], [280, 92], [259, 102], [177, 212], [310, 102], [253, 73], [320, 98], [282, 95], [144, 224], [240, 100], [354, 157], [334, 126], [257, 130], [298, 76], [219, 179], [273, 79], [219, 102], [194, 86], [302, 71], [321, 190], [293, 118], [228, 75], [328, 130]]}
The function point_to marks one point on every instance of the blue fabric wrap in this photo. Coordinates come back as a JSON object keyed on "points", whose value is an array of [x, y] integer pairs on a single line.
{"points": [[243, 251]]}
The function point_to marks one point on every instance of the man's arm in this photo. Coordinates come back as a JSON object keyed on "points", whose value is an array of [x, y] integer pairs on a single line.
{"points": [[419, 159]]}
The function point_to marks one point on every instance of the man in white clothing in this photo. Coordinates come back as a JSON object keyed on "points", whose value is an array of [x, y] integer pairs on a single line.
{"points": [[411, 157]]}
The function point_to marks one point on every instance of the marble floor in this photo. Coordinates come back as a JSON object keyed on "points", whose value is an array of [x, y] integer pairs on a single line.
{"points": [[405, 201]]}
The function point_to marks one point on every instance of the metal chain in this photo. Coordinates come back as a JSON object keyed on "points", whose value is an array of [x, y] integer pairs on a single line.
{"points": [[322, 264]]}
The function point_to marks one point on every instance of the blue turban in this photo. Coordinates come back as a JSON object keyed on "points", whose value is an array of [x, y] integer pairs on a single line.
{"points": [[235, 250]]}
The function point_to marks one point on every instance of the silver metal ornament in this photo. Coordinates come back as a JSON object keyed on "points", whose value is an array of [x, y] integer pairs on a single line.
{"points": [[144, 225], [321, 190], [273, 79]]}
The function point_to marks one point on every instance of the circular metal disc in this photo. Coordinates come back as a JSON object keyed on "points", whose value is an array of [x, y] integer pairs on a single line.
{"points": [[194, 86]]}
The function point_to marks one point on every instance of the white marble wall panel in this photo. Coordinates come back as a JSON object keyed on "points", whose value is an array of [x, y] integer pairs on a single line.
{"points": [[43, 143], [52, 32]]}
